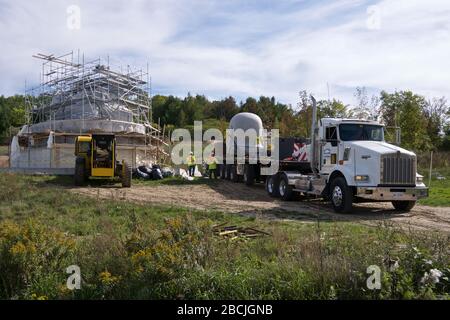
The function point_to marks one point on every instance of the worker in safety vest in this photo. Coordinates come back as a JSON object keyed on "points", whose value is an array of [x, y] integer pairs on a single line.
{"points": [[212, 166], [191, 164]]}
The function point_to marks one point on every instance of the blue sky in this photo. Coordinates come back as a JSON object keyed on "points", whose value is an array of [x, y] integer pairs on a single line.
{"points": [[241, 48]]}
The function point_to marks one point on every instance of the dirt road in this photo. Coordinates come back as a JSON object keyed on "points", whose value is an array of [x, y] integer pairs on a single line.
{"points": [[237, 198]]}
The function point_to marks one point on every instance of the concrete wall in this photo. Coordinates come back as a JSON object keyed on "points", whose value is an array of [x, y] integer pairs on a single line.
{"points": [[62, 156]]}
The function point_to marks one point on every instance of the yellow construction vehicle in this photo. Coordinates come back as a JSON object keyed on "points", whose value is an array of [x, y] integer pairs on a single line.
{"points": [[96, 158]]}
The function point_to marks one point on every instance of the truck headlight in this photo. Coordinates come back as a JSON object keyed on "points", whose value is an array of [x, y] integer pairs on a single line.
{"points": [[362, 178]]}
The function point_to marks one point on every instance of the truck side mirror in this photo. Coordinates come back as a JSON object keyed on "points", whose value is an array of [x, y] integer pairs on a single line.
{"points": [[393, 135], [398, 136]]}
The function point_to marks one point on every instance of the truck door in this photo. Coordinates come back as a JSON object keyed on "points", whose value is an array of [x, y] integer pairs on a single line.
{"points": [[329, 154]]}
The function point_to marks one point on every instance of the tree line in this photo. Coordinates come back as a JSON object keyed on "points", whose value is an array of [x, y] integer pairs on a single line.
{"points": [[424, 123]]}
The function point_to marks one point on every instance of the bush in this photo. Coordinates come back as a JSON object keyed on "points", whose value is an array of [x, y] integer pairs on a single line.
{"points": [[130, 251], [185, 245], [33, 259], [441, 159]]}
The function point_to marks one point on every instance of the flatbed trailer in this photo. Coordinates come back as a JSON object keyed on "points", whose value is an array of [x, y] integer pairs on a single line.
{"points": [[344, 161]]}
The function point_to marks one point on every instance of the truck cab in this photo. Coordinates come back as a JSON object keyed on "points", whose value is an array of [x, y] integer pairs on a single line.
{"points": [[354, 158], [347, 161]]}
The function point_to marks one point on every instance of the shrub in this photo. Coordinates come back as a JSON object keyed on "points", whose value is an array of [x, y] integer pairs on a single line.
{"points": [[33, 259], [184, 245]]}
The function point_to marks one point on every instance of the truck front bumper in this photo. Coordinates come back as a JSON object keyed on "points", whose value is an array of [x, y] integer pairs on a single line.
{"points": [[392, 193]]}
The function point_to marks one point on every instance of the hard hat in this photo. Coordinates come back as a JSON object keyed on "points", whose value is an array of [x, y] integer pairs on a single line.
{"points": [[191, 153]]}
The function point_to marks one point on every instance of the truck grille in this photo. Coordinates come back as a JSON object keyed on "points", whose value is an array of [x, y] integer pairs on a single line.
{"points": [[398, 169]]}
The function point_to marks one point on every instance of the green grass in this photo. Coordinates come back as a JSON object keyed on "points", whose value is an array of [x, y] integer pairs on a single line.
{"points": [[160, 252], [440, 189]]}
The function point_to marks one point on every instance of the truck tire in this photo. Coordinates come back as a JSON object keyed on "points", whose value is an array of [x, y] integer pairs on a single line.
{"points": [[272, 186], [249, 175], [285, 190], [233, 173], [126, 175], [223, 171], [80, 171], [341, 195], [403, 205], [227, 171]]}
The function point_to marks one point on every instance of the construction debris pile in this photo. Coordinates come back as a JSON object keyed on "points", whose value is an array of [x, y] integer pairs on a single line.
{"points": [[237, 233], [152, 173], [79, 97]]}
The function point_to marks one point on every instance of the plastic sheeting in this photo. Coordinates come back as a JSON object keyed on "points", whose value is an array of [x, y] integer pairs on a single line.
{"points": [[87, 105], [62, 155], [77, 126]]}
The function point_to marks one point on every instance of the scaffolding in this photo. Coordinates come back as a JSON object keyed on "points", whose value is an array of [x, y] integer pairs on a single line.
{"points": [[88, 90], [75, 96]]}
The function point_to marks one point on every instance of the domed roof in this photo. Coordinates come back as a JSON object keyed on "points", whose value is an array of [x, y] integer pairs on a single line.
{"points": [[245, 121]]}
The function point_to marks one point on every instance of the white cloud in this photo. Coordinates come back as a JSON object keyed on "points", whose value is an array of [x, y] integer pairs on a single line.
{"points": [[235, 48]]}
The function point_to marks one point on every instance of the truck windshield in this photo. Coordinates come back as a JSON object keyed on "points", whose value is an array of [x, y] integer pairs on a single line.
{"points": [[356, 131], [84, 147]]}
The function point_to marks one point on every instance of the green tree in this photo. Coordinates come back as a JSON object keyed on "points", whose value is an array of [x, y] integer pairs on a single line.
{"points": [[445, 145], [250, 105], [159, 108], [224, 109], [435, 112], [406, 110], [192, 109], [366, 108], [333, 109], [4, 117], [12, 112]]}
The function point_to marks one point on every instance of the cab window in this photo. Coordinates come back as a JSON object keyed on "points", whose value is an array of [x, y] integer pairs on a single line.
{"points": [[84, 147], [331, 135]]}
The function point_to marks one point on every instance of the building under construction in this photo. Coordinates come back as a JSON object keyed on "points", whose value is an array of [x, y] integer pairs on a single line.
{"points": [[78, 97]]}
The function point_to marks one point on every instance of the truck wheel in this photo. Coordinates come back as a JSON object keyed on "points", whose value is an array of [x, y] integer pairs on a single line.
{"points": [[227, 171], [126, 175], [403, 205], [80, 172], [272, 186], [285, 190], [233, 173], [341, 195], [223, 171], [249, 175]]}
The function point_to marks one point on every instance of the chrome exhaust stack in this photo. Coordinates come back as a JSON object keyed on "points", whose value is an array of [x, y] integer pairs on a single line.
{"points": [[314, 142]]}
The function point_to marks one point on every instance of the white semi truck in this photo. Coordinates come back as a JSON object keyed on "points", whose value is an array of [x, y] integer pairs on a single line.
{"points": [[344, 161]]}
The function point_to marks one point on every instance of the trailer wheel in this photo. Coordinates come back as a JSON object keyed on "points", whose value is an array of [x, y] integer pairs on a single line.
{"points": [[233, 173], [249, 175], [272, 186], [228, 172], [285, 190], [403, 205], [222, 171], [80, 172], [341, 195]]}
